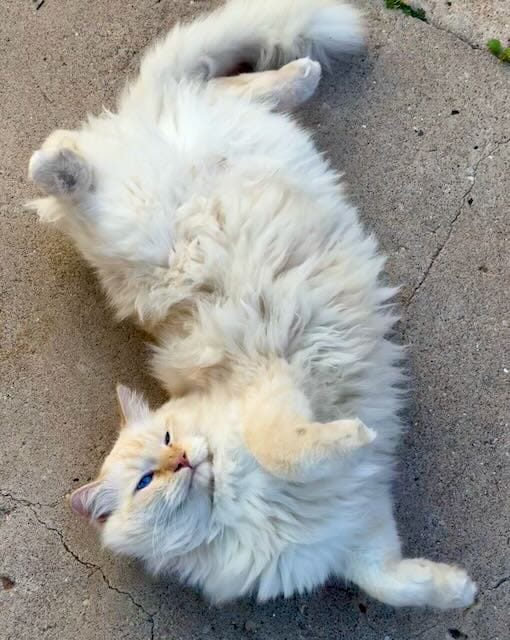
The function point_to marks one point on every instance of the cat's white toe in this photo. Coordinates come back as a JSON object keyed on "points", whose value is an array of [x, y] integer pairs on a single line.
{"points": [[306, 79], [308, 68], [466, 591], [313, 69], [458, 590], [365, 434]]}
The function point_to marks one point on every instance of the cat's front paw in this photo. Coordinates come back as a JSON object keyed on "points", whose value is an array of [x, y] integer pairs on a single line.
{"points": [[305, 75], [307, 68], [350, 434]]}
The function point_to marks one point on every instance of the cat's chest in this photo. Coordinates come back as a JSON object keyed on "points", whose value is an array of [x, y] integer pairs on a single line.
{"points": [[245, 496], [267, 529]]}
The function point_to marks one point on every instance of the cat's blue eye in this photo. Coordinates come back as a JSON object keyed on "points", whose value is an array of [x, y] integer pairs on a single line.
{"points": [[167, 438], [144, 481]]}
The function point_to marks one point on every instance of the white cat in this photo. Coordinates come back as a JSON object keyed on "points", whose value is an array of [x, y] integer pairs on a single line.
{"points": [[214, 223]]}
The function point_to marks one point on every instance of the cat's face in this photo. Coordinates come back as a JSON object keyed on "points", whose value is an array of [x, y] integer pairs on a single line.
{"points": [[152, 498]]}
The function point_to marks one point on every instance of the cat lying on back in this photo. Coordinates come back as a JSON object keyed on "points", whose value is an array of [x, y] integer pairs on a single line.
{"points": [[214, 223]]}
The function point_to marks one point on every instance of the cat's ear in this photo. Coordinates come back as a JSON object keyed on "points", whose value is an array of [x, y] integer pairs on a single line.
{"points": [[93, 501], [60, 172], [133, 406]]}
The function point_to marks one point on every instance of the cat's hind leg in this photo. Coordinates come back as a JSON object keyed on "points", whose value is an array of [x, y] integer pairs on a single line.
{"points": [[58, 167], [377, 567], [286, 88], [143, 267]]}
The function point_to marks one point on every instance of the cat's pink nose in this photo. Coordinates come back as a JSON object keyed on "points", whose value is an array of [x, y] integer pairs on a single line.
{"points": [[181, 462]]}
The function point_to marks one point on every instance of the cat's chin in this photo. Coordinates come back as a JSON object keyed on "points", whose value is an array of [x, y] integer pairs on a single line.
{"points": [[203, 476], [200, 459]]}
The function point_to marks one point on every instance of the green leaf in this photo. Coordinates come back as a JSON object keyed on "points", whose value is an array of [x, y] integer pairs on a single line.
{"points": [[505, 55], [407, 9], [495, 47]]}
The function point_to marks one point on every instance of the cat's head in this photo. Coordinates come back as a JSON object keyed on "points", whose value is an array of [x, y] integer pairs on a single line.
{"points": [[152, 498]]}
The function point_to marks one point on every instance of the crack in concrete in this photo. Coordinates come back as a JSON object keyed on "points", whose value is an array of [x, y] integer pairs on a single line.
{"points": [[27, 503], [457, 36], [435, 25], [40, 89], [94, 568], [453, 221], [499, 583]]}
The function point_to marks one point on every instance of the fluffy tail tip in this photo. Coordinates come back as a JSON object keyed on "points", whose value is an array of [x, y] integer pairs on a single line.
{"points": [[338, 28]]}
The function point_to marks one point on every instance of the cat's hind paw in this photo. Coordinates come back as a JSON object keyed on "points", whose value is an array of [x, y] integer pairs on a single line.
{"points": [[456, 590]]}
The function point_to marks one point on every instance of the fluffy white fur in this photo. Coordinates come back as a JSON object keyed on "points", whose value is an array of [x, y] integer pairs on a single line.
{"points": [[214, 223]]}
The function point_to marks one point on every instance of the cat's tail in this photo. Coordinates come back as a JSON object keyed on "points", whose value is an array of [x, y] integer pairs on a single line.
{"points": [[261, 34]]}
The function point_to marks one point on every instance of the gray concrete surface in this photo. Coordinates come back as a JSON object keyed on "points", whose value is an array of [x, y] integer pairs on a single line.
{"points": [[420, 126], [474, 21]]}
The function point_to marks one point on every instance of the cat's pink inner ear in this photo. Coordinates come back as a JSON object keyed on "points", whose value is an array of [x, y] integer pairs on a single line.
{"points": [[82, 499]]}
